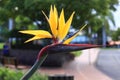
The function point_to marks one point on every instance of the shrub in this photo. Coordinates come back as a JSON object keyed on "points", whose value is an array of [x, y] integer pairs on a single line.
{"points": [[37, 76], [77, 53], [8, 74]]}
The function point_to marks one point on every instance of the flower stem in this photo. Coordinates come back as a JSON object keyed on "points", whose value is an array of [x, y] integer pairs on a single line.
{"points": [[34, 68]]}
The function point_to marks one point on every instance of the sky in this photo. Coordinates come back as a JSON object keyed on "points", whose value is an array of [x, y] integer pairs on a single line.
{"points": [[116, 18]]}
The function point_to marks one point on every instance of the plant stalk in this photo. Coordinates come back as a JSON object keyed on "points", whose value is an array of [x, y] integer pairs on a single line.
{"points": [[34, 68]]}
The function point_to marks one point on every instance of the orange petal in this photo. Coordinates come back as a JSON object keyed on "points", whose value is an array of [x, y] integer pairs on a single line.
{"points": [[61, 25], [35, 38], [56, 16], [45, 16], [35, 32], [53, 20], [67, 26], [39, 34]]}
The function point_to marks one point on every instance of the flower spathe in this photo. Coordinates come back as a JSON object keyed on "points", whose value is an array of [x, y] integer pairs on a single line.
{"points": [[59, 28]]}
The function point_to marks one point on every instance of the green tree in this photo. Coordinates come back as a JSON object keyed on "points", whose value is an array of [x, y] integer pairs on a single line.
{"points": [[116, 35], [24, 12]]}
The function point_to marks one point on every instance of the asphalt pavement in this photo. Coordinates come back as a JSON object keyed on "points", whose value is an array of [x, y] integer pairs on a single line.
{"points": [[108, 62]]}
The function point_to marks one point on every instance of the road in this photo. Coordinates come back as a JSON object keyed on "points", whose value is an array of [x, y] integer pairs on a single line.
{"points": [[109, 62]]}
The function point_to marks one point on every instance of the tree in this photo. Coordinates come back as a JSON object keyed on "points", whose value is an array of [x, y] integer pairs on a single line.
{"points": [[116, 35], [24, 12]]}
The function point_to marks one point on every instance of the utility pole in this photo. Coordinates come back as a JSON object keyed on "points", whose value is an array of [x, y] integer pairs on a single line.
{"points": [[104, 38], [89, 34], [10, 27]]}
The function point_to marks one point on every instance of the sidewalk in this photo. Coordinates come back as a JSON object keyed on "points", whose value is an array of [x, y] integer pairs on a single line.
{"points": [[82, 67]]}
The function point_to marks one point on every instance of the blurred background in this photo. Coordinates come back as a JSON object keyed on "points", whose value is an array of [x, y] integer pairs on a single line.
{"points": [[99, 15]]}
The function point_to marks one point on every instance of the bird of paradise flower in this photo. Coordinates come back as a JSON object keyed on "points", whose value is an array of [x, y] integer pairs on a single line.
{"points": [[59, 29]]}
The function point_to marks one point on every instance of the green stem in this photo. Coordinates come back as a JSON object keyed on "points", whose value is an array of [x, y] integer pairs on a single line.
{"points": [[34, 68]]}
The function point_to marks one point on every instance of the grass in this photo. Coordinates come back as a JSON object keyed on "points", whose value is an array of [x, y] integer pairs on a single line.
{"points": [[1, 45], [77, 53], [11, 74]]}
